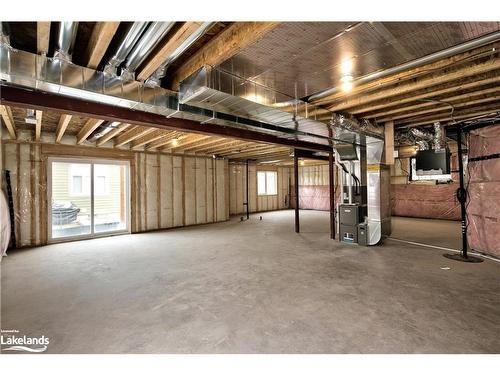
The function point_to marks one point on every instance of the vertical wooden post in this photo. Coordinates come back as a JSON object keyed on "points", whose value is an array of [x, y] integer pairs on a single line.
{"points": [[332, 195], [296, 187]]}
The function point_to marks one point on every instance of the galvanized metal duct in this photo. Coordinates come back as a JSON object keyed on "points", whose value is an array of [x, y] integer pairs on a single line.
{"points": [[125, 48], [464, 47], [66, 40], [39, 72], [155, 79], [155, 32]]}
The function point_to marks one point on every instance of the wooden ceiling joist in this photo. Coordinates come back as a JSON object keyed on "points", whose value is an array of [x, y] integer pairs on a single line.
{"points": [[42, 37], [168, 47], [467, 71], [245, 148], [38, 126], [203, 145], [165, 140], [446, 117], [151, 137], [433, 102], [397, 103], [410, 73], [186, 141], [229, 42], [112, 133], [99, 42], [61, 126], [87, 129], [227, 144], [8, 120], [130, 135], [270, 150], [439, 107]]}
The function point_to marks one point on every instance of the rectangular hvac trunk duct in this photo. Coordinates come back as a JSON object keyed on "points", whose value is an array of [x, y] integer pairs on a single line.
{"points": [[20, 68], [216, 89]]}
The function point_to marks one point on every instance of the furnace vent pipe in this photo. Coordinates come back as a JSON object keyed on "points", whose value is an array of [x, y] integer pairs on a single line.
{"points": [[66, 40], [464, 47]]}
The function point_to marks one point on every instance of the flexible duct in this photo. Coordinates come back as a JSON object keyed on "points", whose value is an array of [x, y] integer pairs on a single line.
{"points": [[126, 46], [155, 32], [155, 79], [66, 40], [438, 136]]}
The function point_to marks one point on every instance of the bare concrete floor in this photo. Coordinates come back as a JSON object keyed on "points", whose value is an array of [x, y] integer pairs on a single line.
{"points": [[444, 233], [250, 287]]}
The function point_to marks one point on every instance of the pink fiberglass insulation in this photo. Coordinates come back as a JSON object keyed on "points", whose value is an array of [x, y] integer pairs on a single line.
{"points": [[314, 197], [425, 201], [483, 206]]}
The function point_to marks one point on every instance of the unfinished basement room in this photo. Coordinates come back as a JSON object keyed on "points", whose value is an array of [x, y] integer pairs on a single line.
{"points": [[205, 187]]}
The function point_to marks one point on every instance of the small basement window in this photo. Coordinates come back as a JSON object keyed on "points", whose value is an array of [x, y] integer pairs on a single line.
{"points": [[267, 183]]}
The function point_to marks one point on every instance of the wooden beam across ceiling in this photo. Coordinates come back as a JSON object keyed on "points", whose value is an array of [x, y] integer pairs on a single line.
{"points": [[442, 107], [434, 80], [430, 93], [87, 129], [192, 138], [228, 144], [204, 144], [25, 98], [42, 37], [61, 126], [151, 137], [229, 42], [411, 73], [8, 120], [130, 135], [165, 140], [433, 102], [99, 42], [446, 117]]}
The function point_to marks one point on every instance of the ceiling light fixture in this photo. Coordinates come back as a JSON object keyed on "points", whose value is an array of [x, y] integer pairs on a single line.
{"points": [[175, 142], [346, 67]]}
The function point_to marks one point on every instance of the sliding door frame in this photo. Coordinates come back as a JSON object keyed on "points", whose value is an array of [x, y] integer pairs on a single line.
{"points": [[92, 162]]}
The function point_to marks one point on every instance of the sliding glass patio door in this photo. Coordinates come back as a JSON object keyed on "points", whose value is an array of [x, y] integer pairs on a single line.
{"points": [[87, 198]]}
